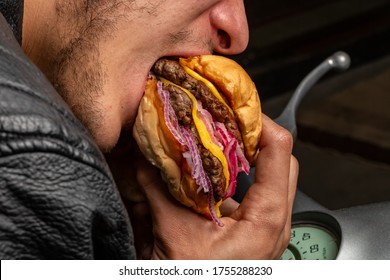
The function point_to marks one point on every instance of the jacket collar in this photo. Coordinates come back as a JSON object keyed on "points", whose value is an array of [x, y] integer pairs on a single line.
{"points": [[12, 11]]}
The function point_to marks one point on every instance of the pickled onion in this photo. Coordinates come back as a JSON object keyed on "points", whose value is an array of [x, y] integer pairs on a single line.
{"points": [[169, 114], [194, 161], [213, 212]]}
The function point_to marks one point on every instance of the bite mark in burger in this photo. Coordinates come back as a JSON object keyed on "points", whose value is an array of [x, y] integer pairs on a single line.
{"points": [[200, 123]]}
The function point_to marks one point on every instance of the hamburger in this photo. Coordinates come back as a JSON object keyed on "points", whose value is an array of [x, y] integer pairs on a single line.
{"points": [[199, 122]]}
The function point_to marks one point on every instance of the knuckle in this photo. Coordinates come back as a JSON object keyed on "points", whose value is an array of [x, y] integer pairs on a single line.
{"points": [[285, 139]]}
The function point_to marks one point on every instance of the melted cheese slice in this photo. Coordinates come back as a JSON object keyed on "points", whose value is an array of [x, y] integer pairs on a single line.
{"points": [[208, 84], [204, 134]]}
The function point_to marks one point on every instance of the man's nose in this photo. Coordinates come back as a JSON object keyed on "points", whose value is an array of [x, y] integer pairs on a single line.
{"points": [[229, 21]]}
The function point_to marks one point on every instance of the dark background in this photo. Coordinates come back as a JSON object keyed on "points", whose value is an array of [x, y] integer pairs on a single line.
{"points": [[288, 38], [343, 141]]}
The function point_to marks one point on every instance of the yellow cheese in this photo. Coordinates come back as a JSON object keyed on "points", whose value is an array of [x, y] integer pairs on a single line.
{"points": [[217, 210], [208, 84], [204, 134]]}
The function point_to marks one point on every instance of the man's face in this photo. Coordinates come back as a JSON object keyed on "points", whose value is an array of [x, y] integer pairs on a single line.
{"points": [[98, 53]]}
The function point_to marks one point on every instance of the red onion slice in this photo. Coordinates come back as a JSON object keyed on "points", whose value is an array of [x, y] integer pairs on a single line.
{"points": [[213, 211], [194, 159], [169, 114]]}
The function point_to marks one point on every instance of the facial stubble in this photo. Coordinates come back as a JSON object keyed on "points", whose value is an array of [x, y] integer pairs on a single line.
{"points": [[78, 72]]}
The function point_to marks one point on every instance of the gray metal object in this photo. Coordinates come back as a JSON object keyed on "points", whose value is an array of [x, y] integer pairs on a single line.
{"points": [[339, 60]]}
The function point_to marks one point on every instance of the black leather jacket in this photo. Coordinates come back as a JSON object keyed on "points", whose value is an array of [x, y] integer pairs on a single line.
{"points": [[58, 199]]}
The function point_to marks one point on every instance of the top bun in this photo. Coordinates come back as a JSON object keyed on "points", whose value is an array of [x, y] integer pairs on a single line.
{"points": [[240, 92]]}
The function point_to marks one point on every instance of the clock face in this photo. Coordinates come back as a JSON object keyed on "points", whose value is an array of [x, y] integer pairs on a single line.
{"points": [[311, 242]]}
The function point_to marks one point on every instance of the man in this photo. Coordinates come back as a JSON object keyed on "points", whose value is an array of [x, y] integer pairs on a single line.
{"points": [[97, 55]]}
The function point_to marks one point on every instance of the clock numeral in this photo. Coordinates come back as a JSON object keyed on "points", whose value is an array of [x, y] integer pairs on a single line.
{"points": [[306, 236], [314, 248]]}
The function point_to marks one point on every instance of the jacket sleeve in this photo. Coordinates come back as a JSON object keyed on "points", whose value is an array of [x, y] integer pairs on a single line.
{"points": [[53, 207]]}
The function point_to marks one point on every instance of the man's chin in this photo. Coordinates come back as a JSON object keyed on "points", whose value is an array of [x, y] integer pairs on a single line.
{"points": [[107, 139]]}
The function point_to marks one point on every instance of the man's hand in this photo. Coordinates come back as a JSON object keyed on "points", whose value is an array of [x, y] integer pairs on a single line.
{"points": [[258, 228]]}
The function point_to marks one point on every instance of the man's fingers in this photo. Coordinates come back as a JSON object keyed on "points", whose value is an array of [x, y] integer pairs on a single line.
{"points": [[286, 233], [228, 207], [142, 229], [163, 205], [292, 187], [293, 180], [154, 188], [270, 192]]}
